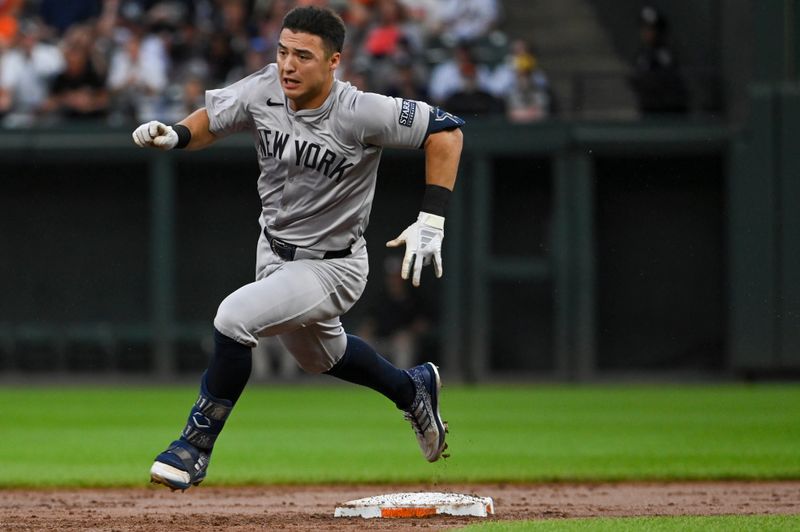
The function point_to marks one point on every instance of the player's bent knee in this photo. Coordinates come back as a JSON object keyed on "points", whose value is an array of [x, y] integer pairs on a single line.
{"points": [[229, 322]]}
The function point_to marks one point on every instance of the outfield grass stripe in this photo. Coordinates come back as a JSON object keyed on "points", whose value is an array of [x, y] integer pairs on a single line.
{"points": [[108, 436]]}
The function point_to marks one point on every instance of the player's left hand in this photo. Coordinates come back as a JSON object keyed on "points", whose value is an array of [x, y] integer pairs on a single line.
{"points": [[423, 240]]}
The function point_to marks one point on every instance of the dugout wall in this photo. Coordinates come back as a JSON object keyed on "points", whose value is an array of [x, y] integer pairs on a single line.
{"points": [[574, 251]]}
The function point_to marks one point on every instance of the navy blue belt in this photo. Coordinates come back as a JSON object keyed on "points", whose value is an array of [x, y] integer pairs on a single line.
{"points": [[290, 252]]}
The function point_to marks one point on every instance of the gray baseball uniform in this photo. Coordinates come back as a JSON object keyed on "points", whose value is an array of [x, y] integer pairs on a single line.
{"points": [[317, 181]]}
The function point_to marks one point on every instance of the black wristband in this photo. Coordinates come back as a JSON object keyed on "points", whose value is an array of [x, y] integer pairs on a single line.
{"points": [[435, 199], [184, 135]]}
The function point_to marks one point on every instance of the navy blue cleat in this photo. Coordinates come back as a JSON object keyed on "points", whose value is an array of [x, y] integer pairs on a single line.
{"points": [[185, 461], [424, 411], [180, 467]]}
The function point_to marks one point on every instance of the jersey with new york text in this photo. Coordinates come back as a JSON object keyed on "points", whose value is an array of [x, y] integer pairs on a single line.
{"points": [[318, 167]]}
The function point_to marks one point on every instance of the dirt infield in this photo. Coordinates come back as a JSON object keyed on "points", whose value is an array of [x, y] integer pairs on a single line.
{"points": [[311, 507]]}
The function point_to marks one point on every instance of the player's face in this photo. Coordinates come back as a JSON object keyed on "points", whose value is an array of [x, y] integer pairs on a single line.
{"points": [[306, 70]]}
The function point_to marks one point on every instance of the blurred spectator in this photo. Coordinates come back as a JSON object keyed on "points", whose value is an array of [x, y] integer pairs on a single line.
{"points": [[96, 38], [157, 57], [396, 323], [61, 14], [26, 72], [406, 82], [79, 92], [229, 44], [137, 77], [466, 20], [187, 48], [193, 95], [657, 80], [471, 99], [223, 58], [356, 73], [424, 13], [8, 21], [392, 35], [269, 26], [357, 16], [360, 80], [103, 31], [448, 77], [528, 99], [255, 58], [355, 64]]}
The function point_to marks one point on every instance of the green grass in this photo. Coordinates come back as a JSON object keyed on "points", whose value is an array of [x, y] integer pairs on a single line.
{"points": [[104, 436], [725, 523]]}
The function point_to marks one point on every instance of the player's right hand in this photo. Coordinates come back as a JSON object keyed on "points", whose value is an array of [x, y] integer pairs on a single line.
{"points": [[156, 135]]}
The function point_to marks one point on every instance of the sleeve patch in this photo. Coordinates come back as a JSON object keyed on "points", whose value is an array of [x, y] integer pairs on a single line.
{"points": [[407, 112]]}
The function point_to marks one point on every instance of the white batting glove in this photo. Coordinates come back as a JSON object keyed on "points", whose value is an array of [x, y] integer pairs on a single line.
{"points": [[156, 135], [423, 240]]}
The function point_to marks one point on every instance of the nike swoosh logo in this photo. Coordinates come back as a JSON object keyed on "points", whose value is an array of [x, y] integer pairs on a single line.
{"points": [[274, 104]]}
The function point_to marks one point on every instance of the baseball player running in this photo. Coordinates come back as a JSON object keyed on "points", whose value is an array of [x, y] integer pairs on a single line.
{"points": [[319, 143]]}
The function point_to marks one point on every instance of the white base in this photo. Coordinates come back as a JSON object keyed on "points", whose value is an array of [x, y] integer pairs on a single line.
{"points": [[416, 505]]}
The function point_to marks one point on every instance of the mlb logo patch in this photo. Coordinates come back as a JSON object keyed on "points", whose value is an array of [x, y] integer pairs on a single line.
{"points": [[407, 112]]}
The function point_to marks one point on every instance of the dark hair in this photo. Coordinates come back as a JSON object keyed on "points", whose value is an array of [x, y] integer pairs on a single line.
{"points": [[319, 21]]}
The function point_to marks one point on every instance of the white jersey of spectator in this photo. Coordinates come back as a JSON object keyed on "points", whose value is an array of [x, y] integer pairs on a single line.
{"points": [[27, 76], [504, 79], [466, 20], [446, 79], [139, 73], [143, 64], [424, 12]]}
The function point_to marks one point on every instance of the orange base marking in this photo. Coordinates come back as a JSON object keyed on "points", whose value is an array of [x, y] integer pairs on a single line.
{"points": [[407, 512]]}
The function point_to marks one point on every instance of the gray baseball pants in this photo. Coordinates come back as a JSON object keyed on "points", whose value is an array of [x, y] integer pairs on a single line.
{"points": [[300, 302]]}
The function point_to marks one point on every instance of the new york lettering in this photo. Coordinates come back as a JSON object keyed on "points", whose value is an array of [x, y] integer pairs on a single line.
{"points": [[271, 147], [307, 154]]}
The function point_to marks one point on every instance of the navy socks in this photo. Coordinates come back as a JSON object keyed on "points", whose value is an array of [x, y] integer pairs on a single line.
{"points": [[232, 362], [220, 388], [206, 419], [361, 364], [229, 369]]}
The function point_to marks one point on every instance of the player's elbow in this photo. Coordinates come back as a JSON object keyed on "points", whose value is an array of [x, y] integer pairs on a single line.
{"points": [[453, 135], [447, 139], [455, 140], [456, 137]]}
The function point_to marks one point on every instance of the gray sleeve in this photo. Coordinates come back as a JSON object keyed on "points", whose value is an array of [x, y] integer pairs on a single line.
{"points": [[227, 108], [391, 122]]}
